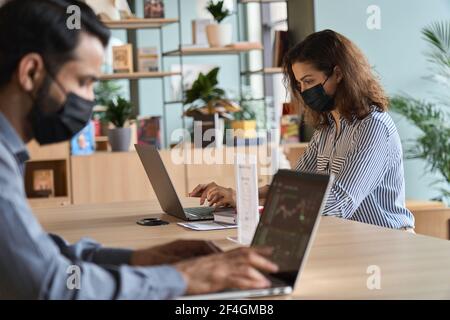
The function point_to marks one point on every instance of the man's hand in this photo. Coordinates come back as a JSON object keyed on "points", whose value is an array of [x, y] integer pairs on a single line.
{"points": [[237, 269], [173, 252], [216, 195]]}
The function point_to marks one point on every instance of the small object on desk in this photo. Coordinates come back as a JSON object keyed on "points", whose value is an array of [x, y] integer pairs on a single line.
{"points": [[246, 197], [151, 222], [206, 225], [227, 217]]}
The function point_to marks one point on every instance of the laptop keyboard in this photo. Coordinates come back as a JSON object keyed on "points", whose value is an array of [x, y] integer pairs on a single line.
{"points": [[200, 211]]}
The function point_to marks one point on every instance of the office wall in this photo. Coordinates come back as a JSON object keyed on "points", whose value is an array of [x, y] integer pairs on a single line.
{"points": [[396, 52]]}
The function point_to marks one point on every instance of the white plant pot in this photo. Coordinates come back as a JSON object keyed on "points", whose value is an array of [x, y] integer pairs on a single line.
{"points": [[219, 35]]}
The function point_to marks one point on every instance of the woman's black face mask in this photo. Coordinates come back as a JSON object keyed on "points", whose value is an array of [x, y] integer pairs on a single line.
{"points": [[317, 99], [72, 117]]}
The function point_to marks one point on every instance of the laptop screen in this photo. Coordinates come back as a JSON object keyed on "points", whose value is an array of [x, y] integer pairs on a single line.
{"points": [[287, 223]]}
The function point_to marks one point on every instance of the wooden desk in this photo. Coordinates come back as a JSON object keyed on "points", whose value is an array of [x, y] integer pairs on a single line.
{"points": [[412, 266]]}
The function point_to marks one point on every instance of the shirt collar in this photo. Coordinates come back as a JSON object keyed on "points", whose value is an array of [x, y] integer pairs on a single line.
{"points": [[12, 141]]}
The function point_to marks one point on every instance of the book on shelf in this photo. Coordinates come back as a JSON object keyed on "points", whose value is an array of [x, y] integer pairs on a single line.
{"points": [[290, 128], [149, 131], [123, 58], [148, 60], [154, 9], [199, 31], [245, 45], [84, 142], [43, 183], [109, 10], [280, 47]]}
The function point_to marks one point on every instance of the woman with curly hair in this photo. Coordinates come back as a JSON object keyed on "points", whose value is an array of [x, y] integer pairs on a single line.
{"points": [[355, 138]]}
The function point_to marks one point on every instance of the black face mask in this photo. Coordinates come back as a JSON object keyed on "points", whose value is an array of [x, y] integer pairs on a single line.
{"points": [[317, 99], [63, 125]]}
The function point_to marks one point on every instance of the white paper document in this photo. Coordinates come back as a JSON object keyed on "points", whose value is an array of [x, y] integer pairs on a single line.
{"points": [[246, 197], [206, 225]]}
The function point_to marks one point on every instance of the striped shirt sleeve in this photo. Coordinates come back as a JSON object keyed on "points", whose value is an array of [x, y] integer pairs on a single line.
{"points": [[362, 170], [307, 161]]}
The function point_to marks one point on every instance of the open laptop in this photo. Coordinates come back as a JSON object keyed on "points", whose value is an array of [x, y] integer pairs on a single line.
{"points": [[288, 224], [164, 189]]}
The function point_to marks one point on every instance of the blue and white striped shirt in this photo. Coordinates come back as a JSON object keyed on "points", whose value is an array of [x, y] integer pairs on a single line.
{"points": [[366, 159]]}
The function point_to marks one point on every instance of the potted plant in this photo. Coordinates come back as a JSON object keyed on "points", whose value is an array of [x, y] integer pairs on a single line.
{"points": [[119, 111], [105, 92], [208, 103], [219, 34], [432, 118]]}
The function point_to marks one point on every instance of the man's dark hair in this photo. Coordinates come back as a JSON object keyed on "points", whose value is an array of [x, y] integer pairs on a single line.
{"points": [[40, 26]]}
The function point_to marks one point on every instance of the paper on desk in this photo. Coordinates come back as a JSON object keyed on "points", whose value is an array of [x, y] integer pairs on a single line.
{"points": [[206, 225]]}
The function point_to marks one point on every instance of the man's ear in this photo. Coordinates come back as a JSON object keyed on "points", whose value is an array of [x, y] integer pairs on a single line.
{"points": [[31, 72], [338, 73]]}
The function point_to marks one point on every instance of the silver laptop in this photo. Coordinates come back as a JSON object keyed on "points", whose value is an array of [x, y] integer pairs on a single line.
{"points": [[164, 189], [288, 224]]}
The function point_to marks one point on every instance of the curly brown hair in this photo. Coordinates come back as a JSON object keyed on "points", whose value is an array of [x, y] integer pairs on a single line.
{"points": [[359, 88]]}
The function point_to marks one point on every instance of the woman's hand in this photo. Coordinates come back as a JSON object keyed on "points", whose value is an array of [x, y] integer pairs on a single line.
{"points": [[216, 195]]}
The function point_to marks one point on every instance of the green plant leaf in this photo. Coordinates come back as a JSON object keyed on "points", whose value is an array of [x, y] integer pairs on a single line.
{"points": [[217, 10], [119, 111]]}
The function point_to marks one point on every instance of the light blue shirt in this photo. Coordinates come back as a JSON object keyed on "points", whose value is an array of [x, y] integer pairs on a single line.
{"points": [[367, 161], [36, 265]]}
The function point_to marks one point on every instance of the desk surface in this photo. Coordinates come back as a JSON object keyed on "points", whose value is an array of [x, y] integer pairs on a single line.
{"points": [[411, 266]]}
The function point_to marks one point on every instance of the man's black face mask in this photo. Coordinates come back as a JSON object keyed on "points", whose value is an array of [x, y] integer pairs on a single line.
{"points": [[71, 117]]}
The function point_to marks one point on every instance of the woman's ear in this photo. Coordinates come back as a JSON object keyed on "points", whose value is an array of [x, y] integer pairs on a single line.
{"points": [[338, 73]]}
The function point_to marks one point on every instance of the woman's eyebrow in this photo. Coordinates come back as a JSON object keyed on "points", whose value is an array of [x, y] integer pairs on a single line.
{"points": [[308, 75]]}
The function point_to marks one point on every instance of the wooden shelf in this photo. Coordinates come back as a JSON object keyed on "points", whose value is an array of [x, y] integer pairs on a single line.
{"points": [[138, 75], [54, 152], [101, 139], [139, 23], [210, 51], [49, 202], [271, 70], [261, 1]]}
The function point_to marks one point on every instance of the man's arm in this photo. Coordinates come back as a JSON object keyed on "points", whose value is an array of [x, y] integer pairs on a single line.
{"points": [[91, 251], [32, 267]]}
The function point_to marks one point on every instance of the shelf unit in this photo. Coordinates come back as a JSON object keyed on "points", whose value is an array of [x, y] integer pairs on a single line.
{"points": [[210, 51], [269, 70], [133, 25], [137, 75], [56, 158], [261, 1]]}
